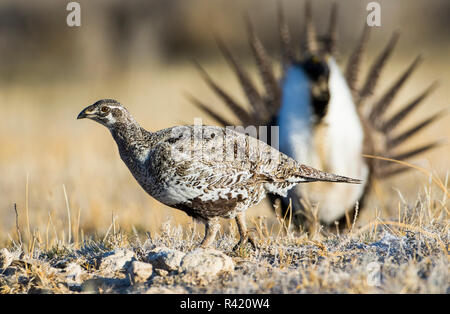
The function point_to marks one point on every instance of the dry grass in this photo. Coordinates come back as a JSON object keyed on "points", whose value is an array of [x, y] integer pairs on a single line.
{"points": [[74, 198], [407, 255]]}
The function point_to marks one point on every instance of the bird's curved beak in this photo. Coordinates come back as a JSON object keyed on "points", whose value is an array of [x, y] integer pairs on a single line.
{"points": [[87, 112], [81, 115]]}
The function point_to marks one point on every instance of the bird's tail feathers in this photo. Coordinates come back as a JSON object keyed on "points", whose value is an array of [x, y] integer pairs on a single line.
{"points": [[308, 174]]}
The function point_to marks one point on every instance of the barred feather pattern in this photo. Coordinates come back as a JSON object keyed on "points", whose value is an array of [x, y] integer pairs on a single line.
{"points": [[207, 171]]}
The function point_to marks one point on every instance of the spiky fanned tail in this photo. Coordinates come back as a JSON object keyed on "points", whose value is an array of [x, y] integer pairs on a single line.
{"points": [[264, 107], [376, 119]]}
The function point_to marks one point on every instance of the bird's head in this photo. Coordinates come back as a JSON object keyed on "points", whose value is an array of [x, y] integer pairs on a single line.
{"points": [[108, 112]]}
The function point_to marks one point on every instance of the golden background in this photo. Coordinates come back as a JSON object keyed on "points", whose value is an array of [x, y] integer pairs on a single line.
{"points": [[140, 53]]}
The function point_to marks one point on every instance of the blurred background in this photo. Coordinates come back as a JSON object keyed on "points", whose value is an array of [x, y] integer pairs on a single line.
{"points": [[140, 53]]}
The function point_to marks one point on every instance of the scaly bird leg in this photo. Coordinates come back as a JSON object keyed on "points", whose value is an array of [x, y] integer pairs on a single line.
{"points": [[211, 227], [243, 232]]}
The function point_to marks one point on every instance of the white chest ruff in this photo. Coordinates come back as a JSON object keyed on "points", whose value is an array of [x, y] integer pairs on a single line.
{"points": [[336, 149]]}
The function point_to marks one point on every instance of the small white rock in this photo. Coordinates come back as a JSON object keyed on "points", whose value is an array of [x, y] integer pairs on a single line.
{"points": [[73, 273], [116, 260], [206, 262], [7, 257], [140, 271], [165, 258], [161, 272]]}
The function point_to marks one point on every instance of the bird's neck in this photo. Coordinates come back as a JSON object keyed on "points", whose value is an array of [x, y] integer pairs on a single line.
{"points": [[131, 139]]}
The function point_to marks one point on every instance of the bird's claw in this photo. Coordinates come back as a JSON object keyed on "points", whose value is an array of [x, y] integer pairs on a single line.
{"points": [[243, 241]]}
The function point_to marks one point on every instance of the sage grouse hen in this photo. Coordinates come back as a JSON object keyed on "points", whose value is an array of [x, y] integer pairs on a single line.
{"points": [[326, 117], [206, 171]]}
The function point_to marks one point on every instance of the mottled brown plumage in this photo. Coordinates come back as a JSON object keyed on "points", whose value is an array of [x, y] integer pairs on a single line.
{"points": [[206, 171]]}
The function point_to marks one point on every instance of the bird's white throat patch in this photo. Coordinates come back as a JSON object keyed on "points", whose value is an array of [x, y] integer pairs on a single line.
{"points": [[110, 120]]}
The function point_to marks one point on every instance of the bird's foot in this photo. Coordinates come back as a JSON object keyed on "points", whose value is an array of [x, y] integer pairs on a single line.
{"points": [[206, 245], [211, 228], [243, 241]]}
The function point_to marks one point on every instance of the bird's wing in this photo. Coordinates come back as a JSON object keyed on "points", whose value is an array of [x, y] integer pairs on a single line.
{"points": [[216, 157], [199, 158], [185, 176]]}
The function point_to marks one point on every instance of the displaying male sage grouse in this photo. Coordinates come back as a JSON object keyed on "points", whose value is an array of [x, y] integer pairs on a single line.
{"points": [[206, 171], [326, 118]]}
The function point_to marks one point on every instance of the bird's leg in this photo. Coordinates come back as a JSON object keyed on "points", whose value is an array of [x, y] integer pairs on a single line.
{"points": [[243, 232], [211, 227]]}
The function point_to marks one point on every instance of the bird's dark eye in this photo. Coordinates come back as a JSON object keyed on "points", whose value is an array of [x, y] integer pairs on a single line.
{"points": [[104, 109]]}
